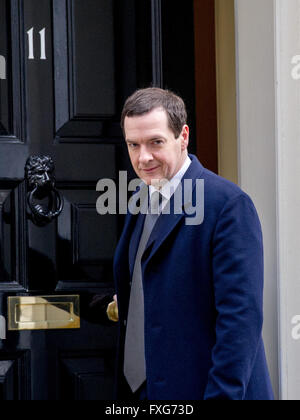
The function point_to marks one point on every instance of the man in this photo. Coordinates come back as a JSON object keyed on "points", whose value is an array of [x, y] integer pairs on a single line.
{"points": [[190, 295]]}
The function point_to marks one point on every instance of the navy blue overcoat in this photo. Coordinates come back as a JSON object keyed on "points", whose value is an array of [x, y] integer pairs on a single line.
{"points": [[203, 293]]}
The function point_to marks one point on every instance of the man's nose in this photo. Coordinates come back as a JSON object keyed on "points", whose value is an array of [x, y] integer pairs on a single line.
{"points": [[145, 156]]}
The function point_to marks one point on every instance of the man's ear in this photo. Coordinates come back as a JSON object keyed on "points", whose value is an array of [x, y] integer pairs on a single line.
{"points": [[185, 137]]}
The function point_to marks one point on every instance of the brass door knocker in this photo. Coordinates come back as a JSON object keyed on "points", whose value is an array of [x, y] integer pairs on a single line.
{"points": [[44, 200]]}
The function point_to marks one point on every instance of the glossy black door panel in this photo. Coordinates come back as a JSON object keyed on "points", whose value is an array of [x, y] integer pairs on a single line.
{"points": [[14, 376], [12, 237], [12, 81], [85, 93], [84, 259]]}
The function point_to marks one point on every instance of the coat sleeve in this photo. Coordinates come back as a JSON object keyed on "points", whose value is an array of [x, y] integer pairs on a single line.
{"points": [[238, 287]]}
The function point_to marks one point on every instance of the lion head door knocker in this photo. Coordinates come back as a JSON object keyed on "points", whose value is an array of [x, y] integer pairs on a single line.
{"points": [[44, 201]]}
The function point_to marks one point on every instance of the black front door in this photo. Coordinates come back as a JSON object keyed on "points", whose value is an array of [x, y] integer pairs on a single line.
{"points": [[66, 67]]}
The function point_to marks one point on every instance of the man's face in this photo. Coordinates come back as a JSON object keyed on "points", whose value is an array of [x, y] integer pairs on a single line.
{"points": [[154, 151]]}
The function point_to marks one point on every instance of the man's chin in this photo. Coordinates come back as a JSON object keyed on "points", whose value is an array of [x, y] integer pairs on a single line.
{"points": [[147, 181]]}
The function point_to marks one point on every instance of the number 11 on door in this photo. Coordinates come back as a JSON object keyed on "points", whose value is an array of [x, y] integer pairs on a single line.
{"points": [[30, 35]]}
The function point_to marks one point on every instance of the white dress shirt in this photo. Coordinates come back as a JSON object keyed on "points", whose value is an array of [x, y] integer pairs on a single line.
{"points": [[168, 189]]}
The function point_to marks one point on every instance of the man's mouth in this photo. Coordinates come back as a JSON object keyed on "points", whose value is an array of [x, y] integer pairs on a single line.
{"points": [[150, 170]]}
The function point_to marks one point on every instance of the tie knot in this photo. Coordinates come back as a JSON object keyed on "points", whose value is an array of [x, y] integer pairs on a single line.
{"points": [[155, 202]]}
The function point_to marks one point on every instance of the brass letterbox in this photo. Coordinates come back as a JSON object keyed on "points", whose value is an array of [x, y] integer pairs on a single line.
{"points": [[43, 312]]}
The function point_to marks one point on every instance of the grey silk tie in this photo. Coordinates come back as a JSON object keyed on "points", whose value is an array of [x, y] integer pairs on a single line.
{"points": [[134, 355]]}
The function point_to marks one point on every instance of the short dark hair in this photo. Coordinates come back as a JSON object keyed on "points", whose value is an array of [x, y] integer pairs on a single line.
{"points": [[144, 101]]}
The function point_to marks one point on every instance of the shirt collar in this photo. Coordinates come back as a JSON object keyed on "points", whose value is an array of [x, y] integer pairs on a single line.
{"points": [[169, 188]]}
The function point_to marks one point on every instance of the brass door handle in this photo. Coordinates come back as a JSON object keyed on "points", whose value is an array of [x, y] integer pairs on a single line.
{"points": [[112, 311]]}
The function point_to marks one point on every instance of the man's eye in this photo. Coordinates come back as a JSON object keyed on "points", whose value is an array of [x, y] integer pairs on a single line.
{"points": [[132, 145], [157, 142]]}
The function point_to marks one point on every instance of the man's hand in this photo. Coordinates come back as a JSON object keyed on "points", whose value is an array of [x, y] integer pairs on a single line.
{"points": [[112, 310]]}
